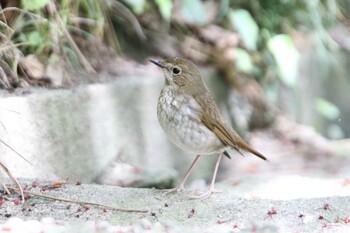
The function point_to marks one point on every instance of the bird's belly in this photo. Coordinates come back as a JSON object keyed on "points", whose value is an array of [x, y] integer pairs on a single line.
{"points": [[186, 131]]}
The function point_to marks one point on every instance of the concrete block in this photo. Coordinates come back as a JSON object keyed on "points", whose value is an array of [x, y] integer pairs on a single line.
{"points": [[79, 132]]}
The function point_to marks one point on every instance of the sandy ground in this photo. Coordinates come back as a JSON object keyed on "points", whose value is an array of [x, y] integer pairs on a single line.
{"points": [[250, 206]]}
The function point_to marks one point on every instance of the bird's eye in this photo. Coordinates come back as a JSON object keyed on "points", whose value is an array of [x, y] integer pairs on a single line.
{"points": [[176, 70]]}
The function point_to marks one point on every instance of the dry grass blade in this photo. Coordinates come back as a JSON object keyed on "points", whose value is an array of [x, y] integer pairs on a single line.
{"points": [[4, 82], [15, 152], [123, 11], [7, 27], [10, 46], [82, 202], [6, 189], [22, 11], [110, 34], [53, 11], [14, 180]]}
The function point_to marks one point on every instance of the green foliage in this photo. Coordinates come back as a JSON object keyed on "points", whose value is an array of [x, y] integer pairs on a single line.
{"points": [[243, 61], [287, 58], [165, 7], [44, 32], [244, 24], [34, 38], [332, 113], [223, 9], [34, 5], [327, 109], [193, 11], [335, 132], [138, 6]]}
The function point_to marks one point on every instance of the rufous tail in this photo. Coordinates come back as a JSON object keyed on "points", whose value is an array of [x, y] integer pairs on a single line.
{"points": [[243, 145]]}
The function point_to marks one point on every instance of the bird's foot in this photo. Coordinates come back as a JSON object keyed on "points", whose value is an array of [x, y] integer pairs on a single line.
{"points": [[177, 189], [206, 194]]}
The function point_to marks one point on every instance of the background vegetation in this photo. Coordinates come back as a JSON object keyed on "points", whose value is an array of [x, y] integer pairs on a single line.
{"points": [[296, 51]]}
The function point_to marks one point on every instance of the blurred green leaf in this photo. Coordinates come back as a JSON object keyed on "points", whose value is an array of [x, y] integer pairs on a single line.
{"points": [[54, 58], [327, 109], [271, 92], [35, 38], [193, 11], [286, 57], [224, 8], [137, 6], [335, 132], [245, 25], [243, 61], [165, 7], [33, 5]]}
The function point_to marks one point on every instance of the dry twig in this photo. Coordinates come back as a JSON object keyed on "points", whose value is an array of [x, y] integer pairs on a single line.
{"points": [[14, 180], [81, 202]]}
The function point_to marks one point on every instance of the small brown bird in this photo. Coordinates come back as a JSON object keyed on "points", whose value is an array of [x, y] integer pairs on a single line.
{"points": [[191, 119]]}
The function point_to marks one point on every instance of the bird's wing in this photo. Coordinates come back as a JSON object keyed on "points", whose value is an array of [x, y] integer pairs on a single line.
{"points": [[211, 118]]}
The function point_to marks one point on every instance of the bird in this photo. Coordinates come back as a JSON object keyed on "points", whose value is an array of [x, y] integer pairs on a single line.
{"points": [[191, 119]]}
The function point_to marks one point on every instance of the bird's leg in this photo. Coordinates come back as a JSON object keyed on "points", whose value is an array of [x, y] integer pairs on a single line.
{"points": [[211, 189], [181, 186]]}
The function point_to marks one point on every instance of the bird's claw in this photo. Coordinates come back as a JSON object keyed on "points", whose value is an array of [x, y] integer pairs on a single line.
{"points": [[206, 194], [173, 190]]}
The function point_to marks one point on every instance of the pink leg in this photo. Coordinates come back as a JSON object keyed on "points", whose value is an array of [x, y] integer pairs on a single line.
{"points": [[181, 186], [211, 189]]}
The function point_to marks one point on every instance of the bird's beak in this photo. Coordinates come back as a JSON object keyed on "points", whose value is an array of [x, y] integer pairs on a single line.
{"points": [[158, 63]]}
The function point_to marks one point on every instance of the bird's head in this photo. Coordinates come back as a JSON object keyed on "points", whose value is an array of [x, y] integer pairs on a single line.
{"points": [[181, 75]]}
